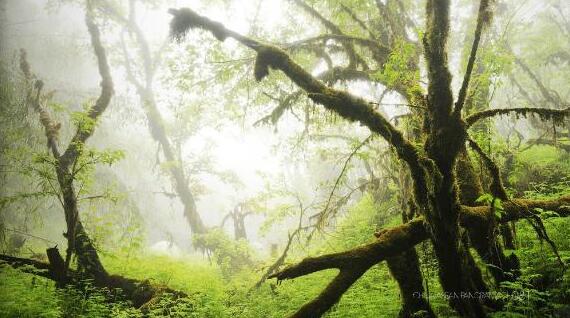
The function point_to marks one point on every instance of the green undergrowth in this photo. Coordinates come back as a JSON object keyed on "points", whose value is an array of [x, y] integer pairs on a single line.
{"points": [[542, 291]]}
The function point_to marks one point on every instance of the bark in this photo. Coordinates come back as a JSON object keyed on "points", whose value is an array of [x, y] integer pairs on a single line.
{"points": [[470, 187], [556, 115], [405, 268], [352, 264], [444, 142], [77, 238], [483, 235]]}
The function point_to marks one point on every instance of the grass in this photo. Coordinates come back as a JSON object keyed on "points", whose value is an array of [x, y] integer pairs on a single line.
{"points": [[545, 286]]}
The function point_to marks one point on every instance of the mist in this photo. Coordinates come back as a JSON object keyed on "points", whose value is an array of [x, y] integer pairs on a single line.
{"points": [[247, 141]]}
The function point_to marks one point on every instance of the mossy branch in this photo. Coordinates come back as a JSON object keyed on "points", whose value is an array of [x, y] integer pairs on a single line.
{"points": [[497, 188], [394, 241], [330, 77], [440, 97], [379, 51], [556, 115], [390, 243], [483, 19], [343, 103], [73, 150]]}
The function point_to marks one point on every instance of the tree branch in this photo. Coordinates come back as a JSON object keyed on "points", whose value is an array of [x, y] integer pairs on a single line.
{"points": [[557, 115], [497, 188], [354, 58], [483, 18], [379, 51], [83, 133], [391, 242], [346, 105]]}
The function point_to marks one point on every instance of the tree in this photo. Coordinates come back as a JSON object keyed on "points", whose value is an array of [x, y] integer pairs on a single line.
{"points": [[67, 166], [147, 98], [66, 163], [432, 167]]}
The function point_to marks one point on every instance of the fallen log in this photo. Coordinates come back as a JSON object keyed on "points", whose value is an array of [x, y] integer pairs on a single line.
{"points": [[138, 292]]}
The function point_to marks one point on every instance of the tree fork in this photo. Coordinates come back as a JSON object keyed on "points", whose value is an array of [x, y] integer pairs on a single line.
{"points": [[392, 242]]}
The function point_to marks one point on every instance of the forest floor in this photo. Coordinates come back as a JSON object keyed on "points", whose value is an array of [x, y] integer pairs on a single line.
{"points": [[542, 291]]}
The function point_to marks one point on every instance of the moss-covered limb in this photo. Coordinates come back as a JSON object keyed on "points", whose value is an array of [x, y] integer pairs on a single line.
{"points": [[390, 242], [515, 209], [482, 235], [440, 98], [483, 19], [346, 105], [281, 259], [497, 188], [556, 115], [25, 264], [330, 76], [74, 149], [331, 294], [469, 182], [394, 241], [352, 265], [34, 97], [406, 271], [379, 51], [138, 292]]}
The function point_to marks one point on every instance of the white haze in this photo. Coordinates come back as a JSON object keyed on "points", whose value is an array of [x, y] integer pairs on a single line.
{"points": [[59, 51]]}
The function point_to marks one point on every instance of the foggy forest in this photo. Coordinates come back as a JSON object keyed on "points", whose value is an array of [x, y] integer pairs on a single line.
{"points": [[284, 158]]}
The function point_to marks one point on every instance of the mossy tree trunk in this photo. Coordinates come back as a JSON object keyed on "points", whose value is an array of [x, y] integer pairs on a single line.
{"points": [[432, 170], [405, 268], [145, 91], [78, 240]]}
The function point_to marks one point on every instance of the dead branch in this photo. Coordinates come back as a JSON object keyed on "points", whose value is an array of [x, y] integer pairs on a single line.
{"points": [[325, 213]]}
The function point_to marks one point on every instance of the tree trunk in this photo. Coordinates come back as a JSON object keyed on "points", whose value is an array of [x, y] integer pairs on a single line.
{"points": [[78, 241], [406, 271], [147, 99], [405, 268], [483, 236], [158, 132]]}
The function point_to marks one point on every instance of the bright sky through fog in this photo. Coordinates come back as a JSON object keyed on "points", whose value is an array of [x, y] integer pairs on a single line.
{"points": [[245, 153]]}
